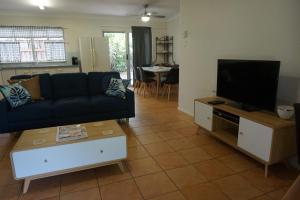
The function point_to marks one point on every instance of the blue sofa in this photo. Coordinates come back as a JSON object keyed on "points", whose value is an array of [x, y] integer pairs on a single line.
{"points": [[68, 99]]}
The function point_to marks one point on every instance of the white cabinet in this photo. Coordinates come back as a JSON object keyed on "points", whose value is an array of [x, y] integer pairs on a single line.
{"points": [[64, 157], [255, 138], [203, 115], [94, 54]]}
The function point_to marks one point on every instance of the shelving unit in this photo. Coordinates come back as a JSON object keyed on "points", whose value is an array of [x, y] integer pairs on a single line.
{"points": [[164, 50]]}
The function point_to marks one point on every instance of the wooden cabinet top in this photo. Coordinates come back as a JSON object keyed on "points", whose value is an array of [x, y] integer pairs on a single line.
{"points": [[266, 118], [47, 136]]}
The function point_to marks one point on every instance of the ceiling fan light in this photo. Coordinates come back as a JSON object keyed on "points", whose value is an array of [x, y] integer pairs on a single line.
{"points": [[145, 18]]}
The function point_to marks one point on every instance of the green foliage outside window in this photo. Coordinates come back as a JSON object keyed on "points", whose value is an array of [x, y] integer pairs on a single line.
{"points": [[117, 51]]}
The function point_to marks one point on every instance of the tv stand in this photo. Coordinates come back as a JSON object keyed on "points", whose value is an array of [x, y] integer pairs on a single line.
{"points": [[249, 108], [262, 136]]}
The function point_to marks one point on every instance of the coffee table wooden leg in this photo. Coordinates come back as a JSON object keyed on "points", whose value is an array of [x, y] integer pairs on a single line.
{"points": [[121, 166], [26, 185]]}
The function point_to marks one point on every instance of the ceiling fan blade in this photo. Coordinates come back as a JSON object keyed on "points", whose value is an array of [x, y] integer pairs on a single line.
{"points": [[158, 16]]}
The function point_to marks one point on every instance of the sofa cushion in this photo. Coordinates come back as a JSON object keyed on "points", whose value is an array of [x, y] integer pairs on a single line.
{"points": [[72, 107], [116, 88], [99, 81], [40, 110], [106, 80], [45, 85], [69, 85], [95, 82], [15, 94], [106, 104], [44, 80]]}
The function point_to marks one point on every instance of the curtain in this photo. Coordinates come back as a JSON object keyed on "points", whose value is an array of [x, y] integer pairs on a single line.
{"points": [[142, 46]]}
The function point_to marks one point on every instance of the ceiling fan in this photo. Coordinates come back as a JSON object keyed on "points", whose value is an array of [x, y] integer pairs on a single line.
{"points": [[147, 15]]}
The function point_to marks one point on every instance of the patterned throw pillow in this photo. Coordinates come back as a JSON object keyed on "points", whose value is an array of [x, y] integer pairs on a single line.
{"points": [[116, 88], [15, 94], [126, 83]]}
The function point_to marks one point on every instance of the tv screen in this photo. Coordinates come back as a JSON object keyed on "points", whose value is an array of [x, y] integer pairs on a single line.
{"points": [[249, 82]]}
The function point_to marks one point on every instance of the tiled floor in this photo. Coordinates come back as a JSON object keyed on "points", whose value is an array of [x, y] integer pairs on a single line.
{"points": [[167, 160]]}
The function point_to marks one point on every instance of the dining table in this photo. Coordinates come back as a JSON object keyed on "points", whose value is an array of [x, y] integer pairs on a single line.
{"points": [[157, 70]]}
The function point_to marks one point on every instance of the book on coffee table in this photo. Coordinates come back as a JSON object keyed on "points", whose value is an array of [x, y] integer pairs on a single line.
{"points": [[70, 133]]}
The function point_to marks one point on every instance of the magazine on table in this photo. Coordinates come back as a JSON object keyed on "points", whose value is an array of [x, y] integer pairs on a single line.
{"points": [[70, 133]]}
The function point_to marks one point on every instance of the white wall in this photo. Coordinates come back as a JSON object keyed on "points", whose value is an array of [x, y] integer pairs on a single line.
{"points": [[76, 26], [173, 29], [243, 29]]}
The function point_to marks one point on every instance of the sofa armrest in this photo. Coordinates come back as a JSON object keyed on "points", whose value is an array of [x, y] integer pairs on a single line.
{"points": [[3, 116], [130, 100]]}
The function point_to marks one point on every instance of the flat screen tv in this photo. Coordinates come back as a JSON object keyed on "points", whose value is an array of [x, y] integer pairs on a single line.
{"points": [[251, 83]]}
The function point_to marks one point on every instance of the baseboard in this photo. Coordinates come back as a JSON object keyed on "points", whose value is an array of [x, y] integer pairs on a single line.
{"points": [[184, 111]]}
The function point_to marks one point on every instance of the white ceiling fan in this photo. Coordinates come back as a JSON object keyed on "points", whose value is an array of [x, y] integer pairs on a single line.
{"points": [[147, 15]]}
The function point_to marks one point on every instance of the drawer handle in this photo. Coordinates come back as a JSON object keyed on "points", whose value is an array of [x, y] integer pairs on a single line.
{"points": [[208, 118], [45, 161], [241, 133], [101, 151]]}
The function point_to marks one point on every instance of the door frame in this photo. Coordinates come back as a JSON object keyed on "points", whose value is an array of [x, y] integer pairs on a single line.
{"points": [[128, 56]]}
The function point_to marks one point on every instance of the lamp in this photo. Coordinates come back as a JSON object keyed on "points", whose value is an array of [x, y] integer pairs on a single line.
{"points": [[145, 18]]}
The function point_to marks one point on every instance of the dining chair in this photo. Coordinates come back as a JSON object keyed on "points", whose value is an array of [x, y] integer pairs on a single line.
{"points": [[172, 79], [137, 80], [147, 84]]}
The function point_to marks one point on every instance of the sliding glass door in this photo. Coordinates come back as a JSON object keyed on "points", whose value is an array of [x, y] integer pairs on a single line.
{"points": [[120, 51]]}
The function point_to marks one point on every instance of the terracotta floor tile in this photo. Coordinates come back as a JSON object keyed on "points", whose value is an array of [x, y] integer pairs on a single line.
{"points": [[187, 131], [6, 176], [180, 144], [204, 191], [159, 128], [201, 139], [264, 197], [281, 171], [158, 148], [142, 130], [155, 184], [195, 155], [170, 160], [277, 194], [218, 149], [10, 192], [111, 173], [143, 166], [132, 142], [257, 178], [168, 135], [186, 176], [42, 189], [125, 190], [137, 152], [79, 181], [90, 194], [213, 169], [238, 162], [149, 138], [237, 188], [170, 196]]}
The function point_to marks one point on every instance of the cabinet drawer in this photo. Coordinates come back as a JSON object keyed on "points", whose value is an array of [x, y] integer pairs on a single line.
{"points": [[255, 138], [44, 160], [203, 115]]}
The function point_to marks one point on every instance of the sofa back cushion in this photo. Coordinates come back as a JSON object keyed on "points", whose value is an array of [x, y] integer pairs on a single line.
{"points": [[99, 81], [45, 83], [69, 85]]}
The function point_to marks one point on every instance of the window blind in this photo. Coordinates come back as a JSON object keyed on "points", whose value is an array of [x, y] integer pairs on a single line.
{"points": [[20, 44]]}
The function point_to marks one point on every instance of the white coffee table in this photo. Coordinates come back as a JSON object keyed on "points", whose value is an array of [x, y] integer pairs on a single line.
{"points": [[37, 154]]}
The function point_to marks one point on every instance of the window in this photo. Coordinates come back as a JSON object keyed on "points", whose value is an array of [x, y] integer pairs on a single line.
{"points": [[21, 44]]}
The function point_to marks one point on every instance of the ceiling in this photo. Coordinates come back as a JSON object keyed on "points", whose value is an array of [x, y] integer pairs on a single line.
{"points": [[168, 8]]}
